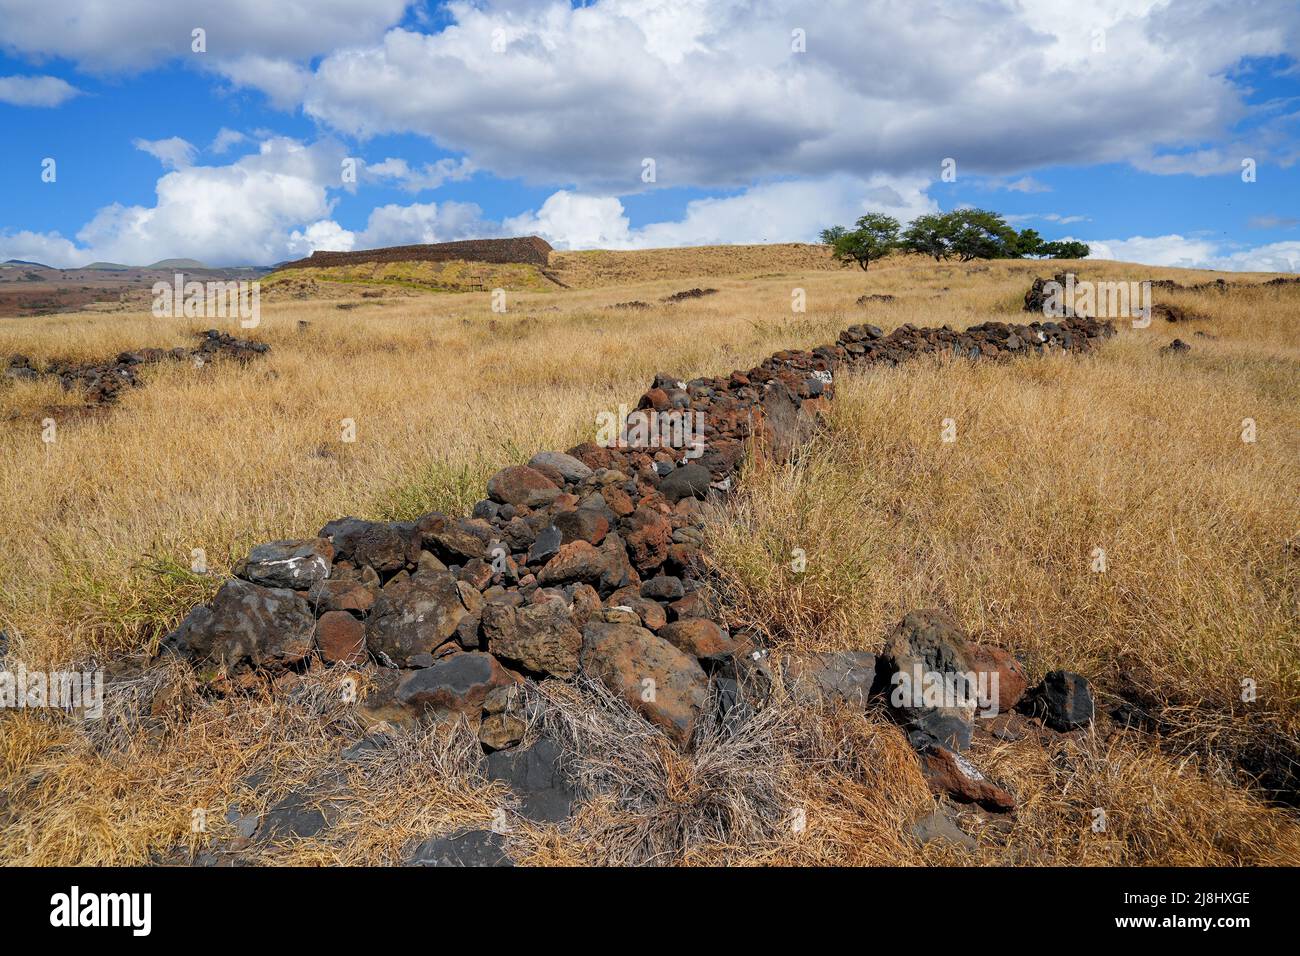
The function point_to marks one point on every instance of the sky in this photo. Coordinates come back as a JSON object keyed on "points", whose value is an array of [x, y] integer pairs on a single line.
{"points": [[1165, 132]]}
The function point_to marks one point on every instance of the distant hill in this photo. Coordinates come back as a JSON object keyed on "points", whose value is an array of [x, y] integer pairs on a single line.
{"points": [[176, 264], [25, 262], [108, 267]]}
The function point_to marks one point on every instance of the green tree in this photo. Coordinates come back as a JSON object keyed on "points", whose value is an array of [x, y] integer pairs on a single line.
{"points": [[929, 235], [1028, 243], [872, 237], [980, 234], [829, 236], [1066, 249]]}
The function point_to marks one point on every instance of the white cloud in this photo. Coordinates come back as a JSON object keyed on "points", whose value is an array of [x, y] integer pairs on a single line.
{"points": [[245, 212], [1027, 184], [568, 220], [225, 139], [36, 90], [132, 35], [790, 211], [326, 234], [283, 81], [1184, 253], [430, 176], [713, 92], [395, 225], [173, 153], [48, 248], [1274, 257]]}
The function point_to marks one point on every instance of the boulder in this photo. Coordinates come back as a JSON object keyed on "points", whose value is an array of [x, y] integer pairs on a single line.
{"points": [[414, 616], [463, 848], [270, 628], [373, 544], [454, 545], [1012, 680], [538, 637], [296, 565], [520, 485], [582, 524], [1063, 700], [606, 568], [689, 480], [648, 535], [538, 777], [568, 466], [701, 638], [456, 684], [546, 545], [926, 664], [663, 588], [575, 561], [949, 773], [831, 678], [341, 594], [667, 686], [341, 638]]}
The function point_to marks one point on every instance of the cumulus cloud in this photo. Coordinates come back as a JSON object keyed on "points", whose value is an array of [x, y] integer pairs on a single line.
{"points": [[1187, 253], [245, 212], [36, 90], [790, 211], [132, 35], [713, 91], [48, 248]]}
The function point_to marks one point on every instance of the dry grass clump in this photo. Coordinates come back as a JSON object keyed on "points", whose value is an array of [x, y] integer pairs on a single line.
{"points": [[1159, 810], [788, 785]]}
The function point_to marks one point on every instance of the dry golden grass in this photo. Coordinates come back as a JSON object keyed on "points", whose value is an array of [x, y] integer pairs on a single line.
{"points": [[600, 268], [1126, 450]]}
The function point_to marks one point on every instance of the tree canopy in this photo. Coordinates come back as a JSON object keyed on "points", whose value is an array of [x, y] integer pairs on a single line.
{"points": [[872, 237], [963, 234]]}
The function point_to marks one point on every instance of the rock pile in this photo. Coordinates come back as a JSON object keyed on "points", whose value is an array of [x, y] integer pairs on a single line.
{"points": [[102, 382], [1037, 296], [588, 562], [696, 293]]}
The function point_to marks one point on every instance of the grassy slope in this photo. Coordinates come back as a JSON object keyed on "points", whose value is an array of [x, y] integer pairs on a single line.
{"points": [[1126, 451]]}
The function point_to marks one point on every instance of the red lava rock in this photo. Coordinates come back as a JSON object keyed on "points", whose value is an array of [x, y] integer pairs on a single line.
{"points": [[952, 774], [1012, 679], [692, 605], [341, 594], [665, 685], [699, 637], [576, 561], [521, 485], [648, 537], [557, 535], [540, 637], [341, 638], [582, 524]]}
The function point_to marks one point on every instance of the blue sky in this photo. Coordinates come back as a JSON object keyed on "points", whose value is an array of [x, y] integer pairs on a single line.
{"points": [[1121, 122]]}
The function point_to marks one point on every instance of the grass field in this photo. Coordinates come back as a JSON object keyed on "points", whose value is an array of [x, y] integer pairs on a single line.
{"points": [[1128, 450]]}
